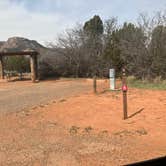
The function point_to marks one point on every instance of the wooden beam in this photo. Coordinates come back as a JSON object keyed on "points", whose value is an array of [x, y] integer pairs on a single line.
{"points": [[1, 67], [19, 53]]}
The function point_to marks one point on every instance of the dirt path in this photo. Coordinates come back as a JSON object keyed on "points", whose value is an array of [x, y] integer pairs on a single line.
{"points": [[86, 130], [25, 95]]}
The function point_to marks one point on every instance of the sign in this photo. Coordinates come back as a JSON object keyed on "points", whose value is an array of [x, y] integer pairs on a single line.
{"points": [[112, 79], [112, 73]]}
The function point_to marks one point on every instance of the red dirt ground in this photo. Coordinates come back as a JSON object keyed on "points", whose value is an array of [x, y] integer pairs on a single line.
{"points": [[87, 130]]}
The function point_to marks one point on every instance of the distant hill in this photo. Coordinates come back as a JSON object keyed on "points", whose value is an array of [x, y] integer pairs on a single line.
{"points": [[21, 44], [47, 58], [2, 43], [15, 44]]}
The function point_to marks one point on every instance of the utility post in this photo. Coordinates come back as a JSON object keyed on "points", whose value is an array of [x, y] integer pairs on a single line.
{"points": [[124, 90]]}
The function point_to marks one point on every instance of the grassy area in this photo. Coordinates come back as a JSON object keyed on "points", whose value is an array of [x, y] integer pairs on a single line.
{"points": [[156, 84]]}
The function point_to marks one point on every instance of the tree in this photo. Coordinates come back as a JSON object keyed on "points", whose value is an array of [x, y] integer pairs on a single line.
{"points": [[110, 26], [132, 49], [70, 57], [18, 64], [94, 27], [93, 30], [95, 47], [112, 53], [153, 28], [125, 49], [158, 50]]}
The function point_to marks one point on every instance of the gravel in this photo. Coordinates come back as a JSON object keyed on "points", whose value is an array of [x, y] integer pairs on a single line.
{"points": [[19, 96]]}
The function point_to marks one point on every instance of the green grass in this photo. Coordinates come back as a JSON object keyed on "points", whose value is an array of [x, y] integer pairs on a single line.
{"points": [[156, 84]]}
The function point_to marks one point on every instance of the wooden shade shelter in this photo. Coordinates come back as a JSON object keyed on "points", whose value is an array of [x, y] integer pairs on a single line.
{"points": [[33, 62]]}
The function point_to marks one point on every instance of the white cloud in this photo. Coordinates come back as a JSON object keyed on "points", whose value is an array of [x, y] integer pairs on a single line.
{"points": [[17, 21], [42, 20]]}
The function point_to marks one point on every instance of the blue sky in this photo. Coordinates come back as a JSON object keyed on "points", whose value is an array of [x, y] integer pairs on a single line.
{"points": [[43, 20]]}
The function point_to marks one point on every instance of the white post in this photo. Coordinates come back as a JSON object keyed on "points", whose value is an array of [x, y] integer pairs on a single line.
{"points": [[112, 79]]}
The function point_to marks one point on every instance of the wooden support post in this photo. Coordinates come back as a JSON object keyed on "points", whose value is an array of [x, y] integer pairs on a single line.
{"points": [[94, 84], [124, 90], [124, 76], [1, 68], [36, 67], [125, 116], [33, 68]]}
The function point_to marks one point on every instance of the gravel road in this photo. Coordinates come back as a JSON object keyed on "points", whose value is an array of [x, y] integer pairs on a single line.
{"points": [[17, 96]]}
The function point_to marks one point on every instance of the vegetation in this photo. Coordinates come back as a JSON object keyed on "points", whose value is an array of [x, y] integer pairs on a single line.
{"points": [[95, 47], [17, 64], [156, 84]]}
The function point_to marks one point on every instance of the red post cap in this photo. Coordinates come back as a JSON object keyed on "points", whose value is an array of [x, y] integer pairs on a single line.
{"points": [[124, 88]]}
